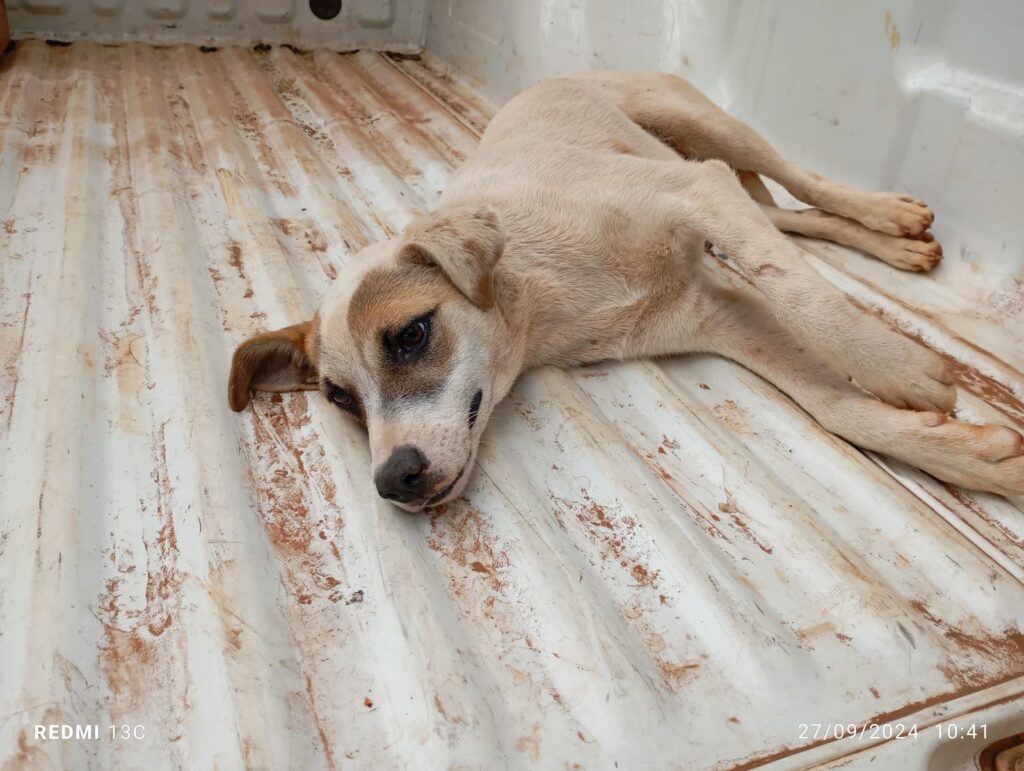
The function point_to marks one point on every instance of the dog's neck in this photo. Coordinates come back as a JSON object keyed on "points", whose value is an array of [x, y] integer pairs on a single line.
{"points": [[509, 336], [523, 314]]}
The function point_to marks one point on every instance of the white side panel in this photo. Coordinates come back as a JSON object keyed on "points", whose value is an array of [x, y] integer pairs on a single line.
{"points": [[375, 24]]}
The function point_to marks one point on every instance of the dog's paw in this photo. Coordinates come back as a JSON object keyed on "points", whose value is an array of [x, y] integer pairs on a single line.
{"points": [[989, 457], [896, 215], [920, 254], [907, 375]]}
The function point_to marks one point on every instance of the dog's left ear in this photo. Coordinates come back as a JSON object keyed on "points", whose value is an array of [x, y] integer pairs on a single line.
{"points": [[465, 242], [282, 360]]}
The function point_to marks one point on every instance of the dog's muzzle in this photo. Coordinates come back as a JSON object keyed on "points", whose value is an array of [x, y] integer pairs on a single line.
{"points": [[401, 477]]}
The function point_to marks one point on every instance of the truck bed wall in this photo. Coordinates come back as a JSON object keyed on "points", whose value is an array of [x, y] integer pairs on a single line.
{"points": [[374, 24]]}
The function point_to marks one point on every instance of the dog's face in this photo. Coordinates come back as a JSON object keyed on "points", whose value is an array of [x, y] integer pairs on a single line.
{"points": [[403, 342]]}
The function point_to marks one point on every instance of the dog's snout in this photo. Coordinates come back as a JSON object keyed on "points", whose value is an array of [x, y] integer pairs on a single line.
{"points": [[401, 477]]}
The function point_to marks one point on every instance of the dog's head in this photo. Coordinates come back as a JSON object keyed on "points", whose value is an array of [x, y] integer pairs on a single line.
{"points": [[403, 342]]}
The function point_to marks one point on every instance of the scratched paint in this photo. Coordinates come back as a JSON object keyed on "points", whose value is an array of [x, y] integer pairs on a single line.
{"points": [[661, 560]]}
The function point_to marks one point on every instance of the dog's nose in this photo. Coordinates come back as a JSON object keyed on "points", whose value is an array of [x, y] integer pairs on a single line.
{"points": [[401, 477]]}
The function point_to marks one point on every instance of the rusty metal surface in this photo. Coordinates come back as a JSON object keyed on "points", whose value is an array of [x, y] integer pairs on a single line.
{"points": [[665, 564]]}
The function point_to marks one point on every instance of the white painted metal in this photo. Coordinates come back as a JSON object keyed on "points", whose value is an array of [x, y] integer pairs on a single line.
{"points": [[386, 25], [657, 564]]}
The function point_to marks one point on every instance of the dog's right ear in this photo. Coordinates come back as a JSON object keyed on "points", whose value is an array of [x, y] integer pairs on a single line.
{"points": [[283, 360], [465, 242]]}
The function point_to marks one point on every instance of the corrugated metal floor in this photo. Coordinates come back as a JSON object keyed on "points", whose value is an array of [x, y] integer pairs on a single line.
{"points": [[664, 565]]}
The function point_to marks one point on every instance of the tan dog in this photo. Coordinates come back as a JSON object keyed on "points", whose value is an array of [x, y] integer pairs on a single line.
{"points": [[575, 234]]}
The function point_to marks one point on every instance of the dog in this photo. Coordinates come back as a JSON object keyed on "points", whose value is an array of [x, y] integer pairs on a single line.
{"points": [[575, 234]]}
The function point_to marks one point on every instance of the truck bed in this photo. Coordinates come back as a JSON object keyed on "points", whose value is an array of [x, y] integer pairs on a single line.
{"points": [[665, 560]]}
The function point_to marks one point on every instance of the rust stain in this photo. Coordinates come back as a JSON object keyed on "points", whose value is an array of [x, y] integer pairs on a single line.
{"points": [[320, 728], [235, 259], [892, 32], [482, 582], [300, 80], [290, 472], [704, 519], [917, 706], [28, 756], [189, 144], [449, 95], [391, 102], [444, 712], [318, 243], [117, 344], [480, 567], [730, 508], [745, 529], [815, 630], [526, 413], [235, 106], [669, 444], [137, 651], [614, 536], [464, 537], [734, 416], [967, 500], [1007, 648], [123, 189], [530, 744], [644, 577], [1003, 653], [12, 367], [677, 672]]}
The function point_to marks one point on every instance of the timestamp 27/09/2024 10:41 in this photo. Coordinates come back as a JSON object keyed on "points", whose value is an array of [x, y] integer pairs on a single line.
{"points": [[873, 731]]}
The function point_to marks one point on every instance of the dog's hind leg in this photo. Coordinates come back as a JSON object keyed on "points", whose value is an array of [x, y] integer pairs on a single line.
{"points": [[904, 253], [740, 326], [922, 253], [676, 112], [707, 199]]}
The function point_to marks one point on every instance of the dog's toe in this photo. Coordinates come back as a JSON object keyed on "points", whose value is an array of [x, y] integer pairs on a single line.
{"points": [[921, 253]]}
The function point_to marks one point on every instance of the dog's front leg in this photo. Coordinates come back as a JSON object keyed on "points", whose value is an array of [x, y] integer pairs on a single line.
{"points": [[708, 198]]}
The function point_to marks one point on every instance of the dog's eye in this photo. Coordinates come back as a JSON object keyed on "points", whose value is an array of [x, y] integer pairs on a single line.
{"points": [[413, 336], [407, 344], [339, 396], [346, 400]]}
